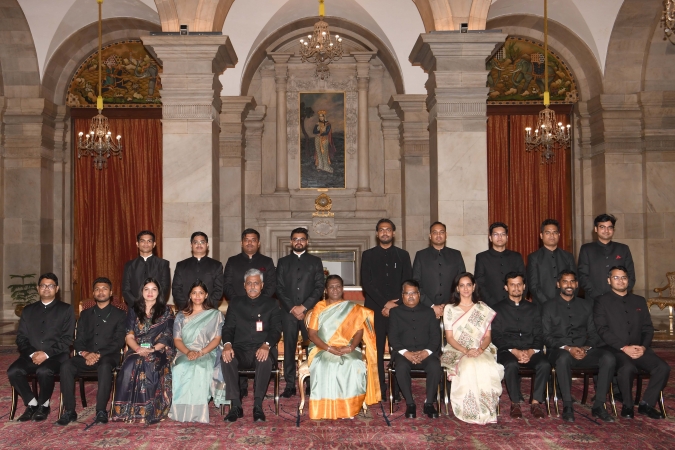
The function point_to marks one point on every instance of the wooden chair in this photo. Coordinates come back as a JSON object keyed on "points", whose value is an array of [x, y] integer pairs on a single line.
{"points": [[641, 375], [586, 374], [32, 379], [669, 301]]}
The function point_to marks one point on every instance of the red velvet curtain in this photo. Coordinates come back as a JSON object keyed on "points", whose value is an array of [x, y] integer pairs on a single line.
{"points": [[522, 191], [112, 205]]}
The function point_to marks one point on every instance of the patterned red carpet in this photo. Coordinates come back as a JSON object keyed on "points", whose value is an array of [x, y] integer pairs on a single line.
{"points": [[366, 431]]}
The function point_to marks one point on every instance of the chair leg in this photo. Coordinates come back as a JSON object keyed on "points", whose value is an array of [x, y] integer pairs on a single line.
{"points": [[447, 397], [276, 393], [584, 396], [15, 400], [391, 391], [611, 399], [60, 404], [548, 401], [555, 393], [638, 390], [662, 405], [112, 397], [301, 383], [82, 394]]}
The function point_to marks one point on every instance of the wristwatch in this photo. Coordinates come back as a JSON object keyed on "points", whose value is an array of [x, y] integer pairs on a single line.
{"points": [[268, 344]]}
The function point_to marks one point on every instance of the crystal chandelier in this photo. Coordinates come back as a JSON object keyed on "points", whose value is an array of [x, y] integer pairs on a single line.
{"points": [[668, 20], [99, 143], [319, 48], [548, 135]]}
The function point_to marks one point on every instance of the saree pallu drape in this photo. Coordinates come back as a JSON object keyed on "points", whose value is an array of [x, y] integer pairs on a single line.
{"points": [[476, 382], [193, 381], [341, 384]]}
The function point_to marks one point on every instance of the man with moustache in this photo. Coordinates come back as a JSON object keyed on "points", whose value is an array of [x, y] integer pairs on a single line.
{"points": [[517, 333], [201, 267], [300, 282], [434, 269], [572, 341], [383, 270], [544, 265], [624, 323], [43, 339], [145, 266], [596, 258], [493, 264], [251, 332], [100, 337]]}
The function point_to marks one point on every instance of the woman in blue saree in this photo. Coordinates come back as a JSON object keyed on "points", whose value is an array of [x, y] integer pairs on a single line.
{"points": [[196, 334], [143, 391]]}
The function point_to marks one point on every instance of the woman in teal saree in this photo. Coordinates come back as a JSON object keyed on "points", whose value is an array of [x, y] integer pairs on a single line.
{"points": [[196, 332]]}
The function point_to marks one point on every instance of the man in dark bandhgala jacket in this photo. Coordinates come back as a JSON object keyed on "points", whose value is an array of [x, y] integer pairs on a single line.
{"points": [[493, 264], [415, 340], [596, 258], [300, 281], [517, 333], [198, 267], [251, 332], [544, 265], [572, 341], [624, 323], [249, 258], [147, 265], [44, 337], [100, 337], [383, 269], [435, 268]]}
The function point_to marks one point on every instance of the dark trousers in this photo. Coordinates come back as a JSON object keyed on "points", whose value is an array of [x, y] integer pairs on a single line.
{"points": [[596, 358], [291, 327], [627, 368], [45, 375], [246, 360], [538, 363], [381, 331], [431, 365], [76, 366]]}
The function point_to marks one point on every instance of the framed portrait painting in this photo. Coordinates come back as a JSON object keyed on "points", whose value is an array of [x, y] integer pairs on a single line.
{"points": [[322, 140]]}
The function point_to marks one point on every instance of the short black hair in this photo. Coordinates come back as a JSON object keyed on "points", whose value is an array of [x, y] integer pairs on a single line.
{"points": [[143, 233], [199, 233], [102, 280], [549, 222], [604, 217], [494, 225], [48, 276], [566, 272], [249, 231], [300, 230], [621, 268], [513, 275], [393, 225], [437, 223], [410, 282]]}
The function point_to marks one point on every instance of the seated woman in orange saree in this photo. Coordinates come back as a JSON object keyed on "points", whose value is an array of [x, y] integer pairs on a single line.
{"points": [[340, 379]]}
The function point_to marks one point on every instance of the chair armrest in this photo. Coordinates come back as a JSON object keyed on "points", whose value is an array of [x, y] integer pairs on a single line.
{"points": [[661, 289]]}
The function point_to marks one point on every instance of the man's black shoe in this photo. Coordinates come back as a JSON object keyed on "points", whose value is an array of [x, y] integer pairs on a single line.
{"points": [[601, 413], [568, 414], [236, 412], [410, 411], [41, 413], [627, 412], [430, 410], [258, 414], [67, 417], [27, 414], [288, 392], [101, 417], [649, 411]]}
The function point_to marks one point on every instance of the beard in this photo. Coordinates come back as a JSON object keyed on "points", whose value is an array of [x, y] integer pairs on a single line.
{"points": [[102, 300]]}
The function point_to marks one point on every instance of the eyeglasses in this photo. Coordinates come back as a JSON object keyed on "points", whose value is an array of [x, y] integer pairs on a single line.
{"points": [[198, 242], [604, 227], [299, 239], [617, 278], [498, 235], [48, 287]]}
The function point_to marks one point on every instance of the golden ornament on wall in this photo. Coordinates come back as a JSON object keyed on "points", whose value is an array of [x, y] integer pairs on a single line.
{"points": [[323, 205]]}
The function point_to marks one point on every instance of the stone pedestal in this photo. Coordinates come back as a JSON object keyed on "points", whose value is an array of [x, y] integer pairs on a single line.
{"points": [[456, 102], [191, 103]]}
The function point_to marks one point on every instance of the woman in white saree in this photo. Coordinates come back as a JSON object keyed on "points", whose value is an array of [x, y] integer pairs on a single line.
{"points": [[470, 356]]}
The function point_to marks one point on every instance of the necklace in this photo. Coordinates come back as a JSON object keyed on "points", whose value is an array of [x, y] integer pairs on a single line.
{"points": [[106, 317]]}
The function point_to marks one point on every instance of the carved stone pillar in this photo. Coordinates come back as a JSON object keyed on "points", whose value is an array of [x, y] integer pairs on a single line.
{"points": [[362, 77], [281, 78], [391, 133]]}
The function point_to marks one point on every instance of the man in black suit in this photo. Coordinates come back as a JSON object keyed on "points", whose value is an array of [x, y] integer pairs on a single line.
{"points": [[43, 338], [596, 258], [249, 258], [137, 270], [517, 333], [199, 266], [251, 332], [493, 264], [544, 265], [300, 282], [572, 341], [624, 323], [100, 337], [383, 269], [434, 269], [415, 340]]}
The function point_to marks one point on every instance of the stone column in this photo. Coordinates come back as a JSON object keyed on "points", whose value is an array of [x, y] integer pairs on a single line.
{"points": [[391, 133], [412, 108], [456, 102], [191, 102], [253, 156], [362, 77], [281, 78]]}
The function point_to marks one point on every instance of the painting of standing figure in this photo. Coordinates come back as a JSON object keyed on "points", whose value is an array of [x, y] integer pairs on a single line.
{"points": [[322, 140]]}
